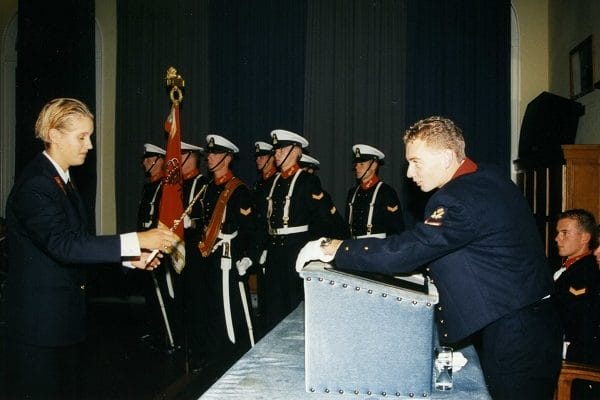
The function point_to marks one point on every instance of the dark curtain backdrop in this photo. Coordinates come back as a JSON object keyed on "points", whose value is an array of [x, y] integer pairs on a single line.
{"points": [[355, 84], [152, 36], [257, 52], [338, 71], [55, 58]]}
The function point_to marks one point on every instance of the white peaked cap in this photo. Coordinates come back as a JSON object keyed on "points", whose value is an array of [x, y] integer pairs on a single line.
{"points": [[218, 144]]}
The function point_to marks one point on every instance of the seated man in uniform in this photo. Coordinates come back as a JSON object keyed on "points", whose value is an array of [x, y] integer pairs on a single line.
{"points": [[576, 293]]}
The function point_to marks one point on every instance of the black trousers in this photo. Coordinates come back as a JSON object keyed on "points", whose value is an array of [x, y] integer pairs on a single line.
{"points": [[520, 353], [40, 372]]}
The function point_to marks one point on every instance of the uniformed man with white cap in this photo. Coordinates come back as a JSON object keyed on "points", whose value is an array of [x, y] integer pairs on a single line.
{"points": [[373, 208], [222, 328], [294, 205], [153, 159], [265, 166]]}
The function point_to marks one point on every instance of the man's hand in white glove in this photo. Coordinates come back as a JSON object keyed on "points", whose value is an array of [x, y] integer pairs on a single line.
{"points": [[187, 222], [243, 265], [312, 251]]}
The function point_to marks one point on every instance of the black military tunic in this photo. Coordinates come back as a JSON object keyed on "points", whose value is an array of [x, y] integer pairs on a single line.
{"points": [[283, 287], [387, 213], [149, 205], [260, 192], [239, 225], [577, 296]]}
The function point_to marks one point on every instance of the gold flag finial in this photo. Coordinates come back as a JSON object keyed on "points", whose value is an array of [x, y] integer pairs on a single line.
{"points": [[175, 82]]}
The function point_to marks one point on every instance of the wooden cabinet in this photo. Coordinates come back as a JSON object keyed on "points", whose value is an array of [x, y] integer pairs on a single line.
{"points": [[581, 177], [554, 186]]}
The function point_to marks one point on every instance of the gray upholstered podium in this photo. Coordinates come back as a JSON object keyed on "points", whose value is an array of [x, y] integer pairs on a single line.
{"points": [[274, 369], [368, 334]]}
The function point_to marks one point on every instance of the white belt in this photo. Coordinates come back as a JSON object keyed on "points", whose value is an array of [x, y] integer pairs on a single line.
{"points": [[371, 235], [288, 230], [225, 238]]}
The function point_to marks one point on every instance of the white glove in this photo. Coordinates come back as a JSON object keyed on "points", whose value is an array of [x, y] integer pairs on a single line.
{"points": [[243, 265], [310, 252], [187, 221], [263, 257]]}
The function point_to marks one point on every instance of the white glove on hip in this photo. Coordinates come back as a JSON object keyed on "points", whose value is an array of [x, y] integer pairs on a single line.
{"points": [[310, 252], [243, 265], [187, 221]]}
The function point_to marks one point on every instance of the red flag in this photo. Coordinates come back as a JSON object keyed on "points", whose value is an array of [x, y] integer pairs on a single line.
{"points": [[171, 203]]}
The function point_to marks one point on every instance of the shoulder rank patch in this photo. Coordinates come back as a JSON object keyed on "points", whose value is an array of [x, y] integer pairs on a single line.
{"points": [[436, 217], [577, 292], [245, 211], [332, 211], [392, 209], [317, 196]]}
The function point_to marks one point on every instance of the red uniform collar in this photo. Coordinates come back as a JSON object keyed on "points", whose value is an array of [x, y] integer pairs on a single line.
{"points": [[570, 261], [267, 174], [225, 178], [466, 167], [290, 171], [369, 183]]}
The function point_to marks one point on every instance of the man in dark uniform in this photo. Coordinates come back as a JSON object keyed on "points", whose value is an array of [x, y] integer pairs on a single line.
{"points": [[226, 251], [372, 206], [153, 160], [182, 277], [294, 205], [576, 293], [332, 220], [265, 166], [480, 243]]}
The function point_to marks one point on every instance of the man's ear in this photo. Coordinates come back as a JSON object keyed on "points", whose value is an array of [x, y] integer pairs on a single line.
{"points": [[448, 157], [586, 237]]}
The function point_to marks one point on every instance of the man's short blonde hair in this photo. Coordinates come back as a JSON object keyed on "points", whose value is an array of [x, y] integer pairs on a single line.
{"points": [[438, 132], [59, 114]]}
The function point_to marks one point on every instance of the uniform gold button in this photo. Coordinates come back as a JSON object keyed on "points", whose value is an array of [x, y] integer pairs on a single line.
{"points": [[82, 287], [366, 248]]}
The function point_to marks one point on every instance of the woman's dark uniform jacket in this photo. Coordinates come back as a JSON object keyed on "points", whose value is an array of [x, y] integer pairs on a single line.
{"points": [[481, 244], [48, 240]]}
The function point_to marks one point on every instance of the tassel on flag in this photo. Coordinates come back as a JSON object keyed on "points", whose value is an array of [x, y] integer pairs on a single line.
{"points": [[171, 203]]}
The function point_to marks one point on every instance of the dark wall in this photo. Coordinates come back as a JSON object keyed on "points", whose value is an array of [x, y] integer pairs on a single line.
{"points": [[55, 58]]}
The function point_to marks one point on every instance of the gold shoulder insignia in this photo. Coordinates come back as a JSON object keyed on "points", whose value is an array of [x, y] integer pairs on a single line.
{"points": [[392, 209], [436, 217], [576, 292], [317, 196], [245, 211], [332, 211]]}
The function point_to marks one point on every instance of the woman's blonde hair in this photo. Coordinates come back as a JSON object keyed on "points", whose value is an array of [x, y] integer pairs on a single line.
{"points": [[59, 114]]}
